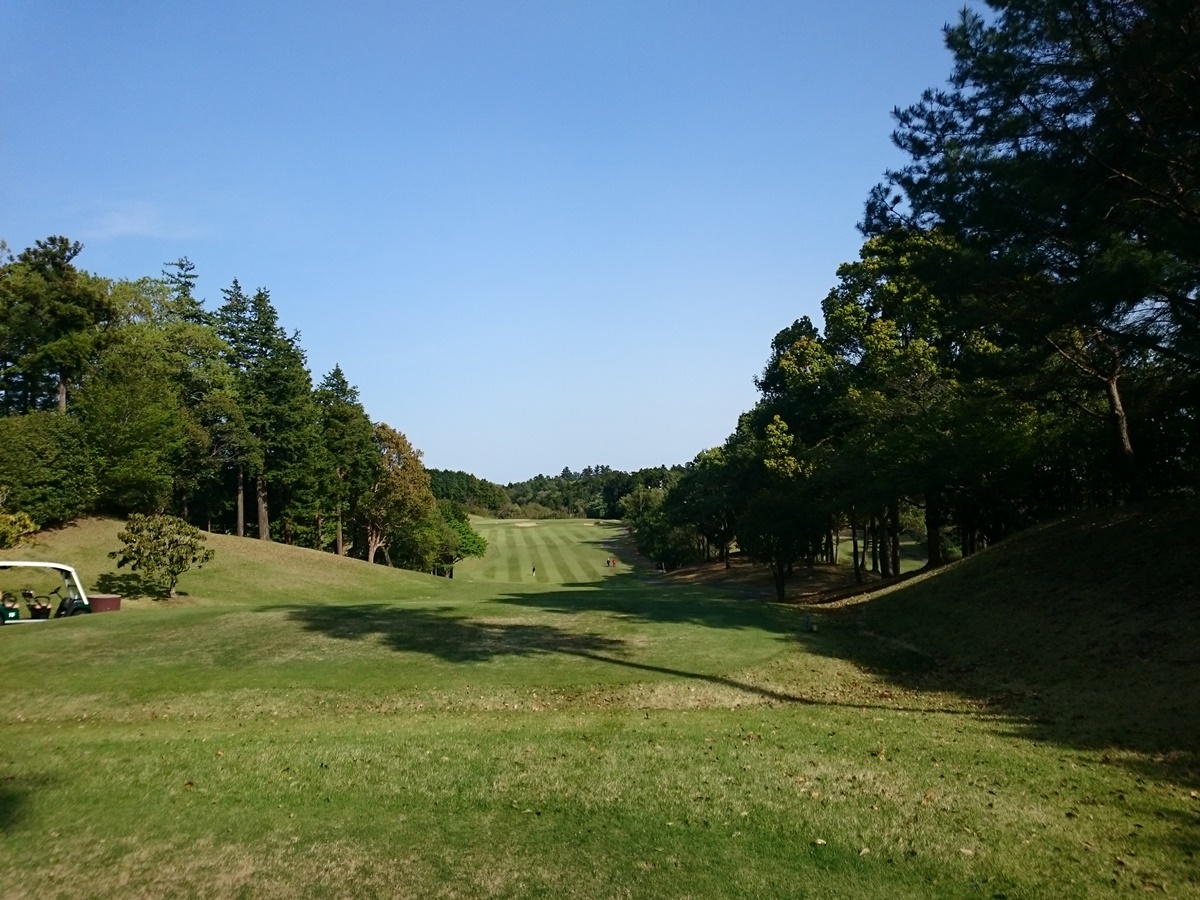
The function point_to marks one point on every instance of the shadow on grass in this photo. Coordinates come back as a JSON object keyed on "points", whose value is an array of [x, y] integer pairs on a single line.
{"points": [[459, 639], [449, 637], [129, 584], [15, 791], [12, 805], [1084, 633], [647, 597]]}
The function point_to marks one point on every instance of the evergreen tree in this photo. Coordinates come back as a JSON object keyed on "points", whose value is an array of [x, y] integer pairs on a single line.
{"points": [[274, 392], [52, 319], [348, 451]]}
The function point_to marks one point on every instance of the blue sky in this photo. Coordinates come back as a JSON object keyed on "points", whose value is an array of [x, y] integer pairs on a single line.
{"points": [[534, 234]]}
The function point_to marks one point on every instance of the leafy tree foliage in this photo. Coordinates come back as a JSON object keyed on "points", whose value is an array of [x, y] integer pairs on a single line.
{"points": [[595, 491], [131, 412], [475, 494], [48, 467], [1061, 163], [175, 409], [1029, 280], [439, 540], [52, 319], [399, 495], [15, 526]]}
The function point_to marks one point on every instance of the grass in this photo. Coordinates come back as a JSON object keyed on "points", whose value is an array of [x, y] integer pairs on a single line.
{"points": [[1020, 725]]}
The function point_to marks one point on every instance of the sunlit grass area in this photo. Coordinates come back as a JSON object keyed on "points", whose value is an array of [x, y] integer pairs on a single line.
{"points": [[304, 725]]}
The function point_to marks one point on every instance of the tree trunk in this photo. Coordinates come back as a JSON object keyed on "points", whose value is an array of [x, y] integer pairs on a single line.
{"points": [[777, 569], [858, 575], [933, 527], [264, 524], [885, 558], [725, 554], [1126, 464], [874, 539], [341, 547], [62, 395], [241, 502], [894, 515]]}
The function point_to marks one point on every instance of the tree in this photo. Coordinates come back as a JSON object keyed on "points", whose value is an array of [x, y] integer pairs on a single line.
{"points": [[130, 410], [476, 494], [52, 317], [655, 535], [180, 277], [399, 493], [274, 391], [348, 461], [706, 498], [439, 540], [161, 548], [464, 541], [1061, 162]]}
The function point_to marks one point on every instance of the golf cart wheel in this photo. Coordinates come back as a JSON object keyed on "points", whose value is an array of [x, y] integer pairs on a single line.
{"points": [[79, 610]]}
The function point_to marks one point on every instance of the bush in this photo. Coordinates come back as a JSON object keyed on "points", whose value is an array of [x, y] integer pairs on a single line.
{"points": [[161, 548], [15, 527]]}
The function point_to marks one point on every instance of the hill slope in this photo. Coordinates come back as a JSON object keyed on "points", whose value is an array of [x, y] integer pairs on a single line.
{"points": [[1085, 630]]}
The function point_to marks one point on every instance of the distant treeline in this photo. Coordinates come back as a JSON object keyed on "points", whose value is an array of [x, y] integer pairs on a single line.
{"points": [[595, 492]]}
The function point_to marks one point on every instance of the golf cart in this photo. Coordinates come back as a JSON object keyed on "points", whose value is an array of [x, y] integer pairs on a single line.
{"points": [[40, 601]]}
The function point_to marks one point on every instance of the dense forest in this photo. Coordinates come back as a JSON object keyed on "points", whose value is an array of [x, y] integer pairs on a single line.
{"points": [[129, 396], [1018, 338]]}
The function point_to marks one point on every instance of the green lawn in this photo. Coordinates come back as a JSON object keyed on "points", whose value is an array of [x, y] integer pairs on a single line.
{"points": [[305, 725]]}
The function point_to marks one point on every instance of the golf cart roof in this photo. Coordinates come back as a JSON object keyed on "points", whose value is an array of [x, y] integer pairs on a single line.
{"points": [[33, 564]]}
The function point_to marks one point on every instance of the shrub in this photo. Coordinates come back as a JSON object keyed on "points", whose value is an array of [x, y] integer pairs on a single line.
{"points": [[161, 548]]}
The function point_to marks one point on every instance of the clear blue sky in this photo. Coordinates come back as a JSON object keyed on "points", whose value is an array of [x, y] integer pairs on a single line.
{"points": [[534, 234]]}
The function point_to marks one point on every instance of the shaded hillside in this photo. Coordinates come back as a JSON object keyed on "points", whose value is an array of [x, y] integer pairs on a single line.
{"points": [[1084, 631]]}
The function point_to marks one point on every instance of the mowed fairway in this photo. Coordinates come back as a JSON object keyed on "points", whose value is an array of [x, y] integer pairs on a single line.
{"points": [[302, 725], [563, 551]]}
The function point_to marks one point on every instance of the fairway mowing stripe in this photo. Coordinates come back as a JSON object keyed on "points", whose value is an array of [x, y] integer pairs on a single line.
{"points": [[493, 567], [518, 556], [504, 552], [542, 557], [554, 556], [559, 548], [497, 553]]}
